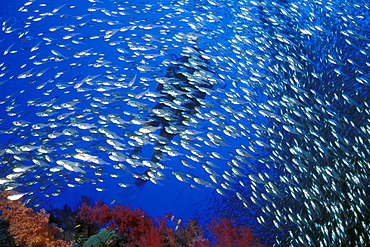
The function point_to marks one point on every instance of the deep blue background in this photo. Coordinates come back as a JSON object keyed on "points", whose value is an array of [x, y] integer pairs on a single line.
{"points": [[292, 76]]}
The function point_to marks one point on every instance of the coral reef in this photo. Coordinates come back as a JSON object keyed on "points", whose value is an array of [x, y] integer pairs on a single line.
{"points": [[119, 225], [192, 233], [29, 228], [74, 227], [103, 238], [227, 234], [140, 229], [66, 219]]}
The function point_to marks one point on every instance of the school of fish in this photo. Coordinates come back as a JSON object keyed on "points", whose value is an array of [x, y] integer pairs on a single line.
{"points": [[285, 127]]}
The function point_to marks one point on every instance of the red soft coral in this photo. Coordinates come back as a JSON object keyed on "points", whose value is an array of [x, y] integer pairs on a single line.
{"points": [[228, 235], [142, 230], [30, 229], [139, 228]]}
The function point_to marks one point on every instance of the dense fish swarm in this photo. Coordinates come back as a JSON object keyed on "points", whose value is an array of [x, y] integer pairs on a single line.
{"points": [[284, 126]]}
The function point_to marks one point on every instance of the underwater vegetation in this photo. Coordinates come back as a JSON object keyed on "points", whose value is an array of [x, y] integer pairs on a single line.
{"points": [[119, 225]]}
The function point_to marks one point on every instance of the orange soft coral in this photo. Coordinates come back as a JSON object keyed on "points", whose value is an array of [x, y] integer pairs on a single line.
{"points": [[30, 229], [192, 234]]}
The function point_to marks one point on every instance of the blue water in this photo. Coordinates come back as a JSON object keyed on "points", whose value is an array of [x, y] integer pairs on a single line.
{"points": [[172, 195], [261, 62]]}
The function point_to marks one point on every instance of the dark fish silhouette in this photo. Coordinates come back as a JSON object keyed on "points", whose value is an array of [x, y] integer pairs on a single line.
{"points": [[188, 92]]}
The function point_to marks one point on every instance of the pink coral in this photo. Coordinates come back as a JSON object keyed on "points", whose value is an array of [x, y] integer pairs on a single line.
{"points": [[228, 235], [139, 228], [142, 230]]}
